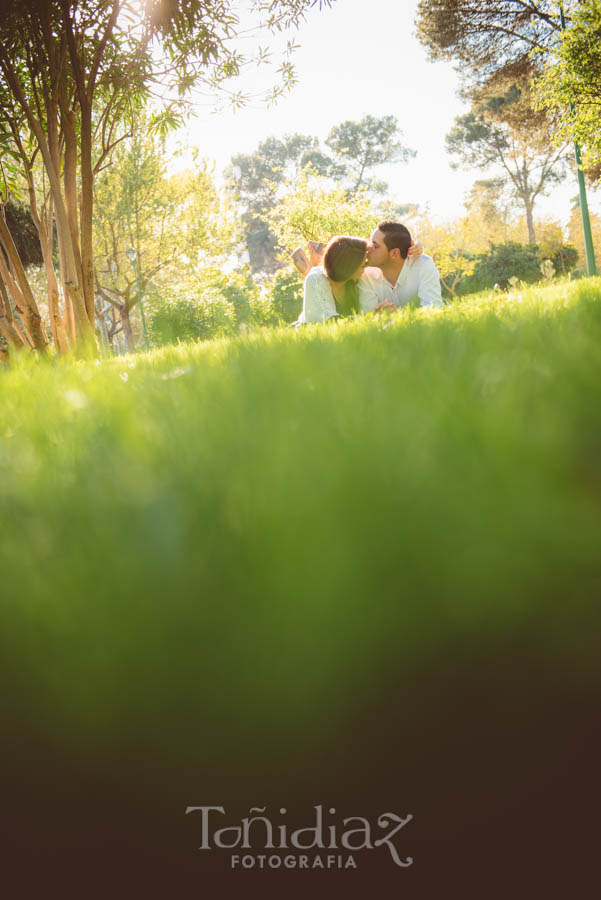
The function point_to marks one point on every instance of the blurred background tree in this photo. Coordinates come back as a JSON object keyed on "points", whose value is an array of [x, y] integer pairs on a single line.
{"points": [[259, 180], [502, 132], [359, 147], [174, 224], [313, 210], [492, 38], [73, 78], [573, 76]]}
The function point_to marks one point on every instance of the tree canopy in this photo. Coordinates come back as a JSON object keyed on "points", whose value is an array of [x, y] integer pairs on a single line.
{"points": [[486, 36], [170, 222], [359, 147], [352, 151], [571, 83], [502, 131], [73, 76]]}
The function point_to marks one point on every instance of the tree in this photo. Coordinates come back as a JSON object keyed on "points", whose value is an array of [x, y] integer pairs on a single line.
{"points": [[485, 38], [21, 324], [488, 213], [169, 222], [502, 131], [449, 244], [73, 75], [314, 211], [359, 147], [572, 78], [259, 179]]}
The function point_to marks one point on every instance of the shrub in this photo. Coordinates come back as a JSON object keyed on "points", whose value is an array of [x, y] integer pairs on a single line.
{"points": [[285, 295], [504, 261], [240, 290], [214, 304], [565, 259], [184, 316]]}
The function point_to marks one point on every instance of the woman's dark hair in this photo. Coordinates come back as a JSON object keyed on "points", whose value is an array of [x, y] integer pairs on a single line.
{"points": [[396, 235], [342, 258]]}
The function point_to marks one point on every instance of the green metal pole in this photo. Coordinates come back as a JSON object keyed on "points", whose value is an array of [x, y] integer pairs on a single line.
{"points": [[591, 268]]}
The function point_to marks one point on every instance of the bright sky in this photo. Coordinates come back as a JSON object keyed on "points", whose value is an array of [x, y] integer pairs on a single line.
{"points": [[354, 59]]}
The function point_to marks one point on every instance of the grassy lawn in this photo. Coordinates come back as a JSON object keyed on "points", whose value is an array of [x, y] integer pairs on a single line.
{"points": [[214, 546]]}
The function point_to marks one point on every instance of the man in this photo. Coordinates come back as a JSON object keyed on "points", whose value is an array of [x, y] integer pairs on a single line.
{"points": [[394, 278]]}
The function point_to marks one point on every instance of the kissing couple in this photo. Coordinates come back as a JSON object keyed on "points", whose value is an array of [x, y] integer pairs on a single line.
{"points": [[358, 276]]}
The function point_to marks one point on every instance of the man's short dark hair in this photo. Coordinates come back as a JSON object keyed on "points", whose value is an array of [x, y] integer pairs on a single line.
{"points": [[396, 235]]}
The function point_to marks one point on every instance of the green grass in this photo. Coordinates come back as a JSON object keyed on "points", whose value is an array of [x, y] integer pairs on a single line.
{"points": [[243, 537]]}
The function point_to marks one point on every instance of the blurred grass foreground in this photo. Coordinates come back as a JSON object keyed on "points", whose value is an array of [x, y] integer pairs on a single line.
{"points": [[358, 560]]}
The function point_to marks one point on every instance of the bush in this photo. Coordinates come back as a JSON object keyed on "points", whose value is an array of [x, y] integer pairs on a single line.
{"points": [[285, 295], [216, 304], [565, 259], [183, 316], [239, 289], [503, 262]]}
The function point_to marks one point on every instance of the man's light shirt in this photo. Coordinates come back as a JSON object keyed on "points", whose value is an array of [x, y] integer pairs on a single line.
{"points": [[419, 279]]}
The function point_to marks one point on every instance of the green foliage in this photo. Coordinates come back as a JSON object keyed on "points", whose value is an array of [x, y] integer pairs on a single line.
{"points": [[239, 290], [485, 39], [211, 305], [182, 317], [564, 259], [314, 211], [503, 132], [571, 82], [358, 147], [502, 263], [259, 180], [285, 294]]}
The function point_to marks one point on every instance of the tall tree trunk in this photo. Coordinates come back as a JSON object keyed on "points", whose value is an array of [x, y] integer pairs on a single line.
{"points": [[18, 285], [9, 330], [44, 225], [530, 219], [69, 319], [59, 334], [83, 325], [87, 209], [126, 328], [70, 185], [71, 278]]}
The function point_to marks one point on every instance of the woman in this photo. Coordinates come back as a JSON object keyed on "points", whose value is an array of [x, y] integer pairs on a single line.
{"points": [[331, 290]]}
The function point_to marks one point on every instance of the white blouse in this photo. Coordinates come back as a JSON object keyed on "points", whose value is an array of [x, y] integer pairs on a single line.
{"points": [[319, 304]]}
